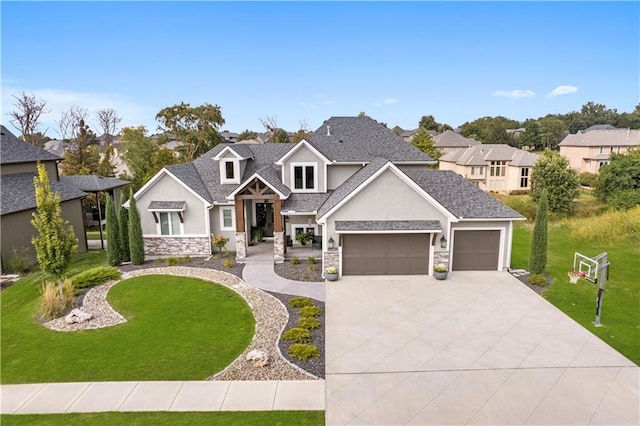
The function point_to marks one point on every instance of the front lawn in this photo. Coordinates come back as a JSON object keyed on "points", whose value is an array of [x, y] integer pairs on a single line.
{"points": [[621, 302], [178, 329], [233, 418]]}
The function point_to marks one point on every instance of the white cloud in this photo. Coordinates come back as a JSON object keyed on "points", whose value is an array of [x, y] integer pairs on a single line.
{"points": [[327, 102], [132, 113], [514, 94], [389, 101], [562, 90]]}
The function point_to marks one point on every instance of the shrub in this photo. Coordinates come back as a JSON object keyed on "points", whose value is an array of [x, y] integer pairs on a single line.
{"points": [[136, 240], [538, 279], [297, 335], [331, 270], [440, 267], [303, 352], [96, 276], [18, 262], [114, 247], [311, 261], [219, 241], [56, 299], [309, 323], [309, 311], [228, 263], [588, 179], [626, 223], [173, 261], [295, 261], [299, 302], [538, 260]]}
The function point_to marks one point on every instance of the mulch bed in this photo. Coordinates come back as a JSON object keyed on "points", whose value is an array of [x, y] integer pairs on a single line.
{"points": [[214, 262], [300, 272], [524, 279], [314, 366]]}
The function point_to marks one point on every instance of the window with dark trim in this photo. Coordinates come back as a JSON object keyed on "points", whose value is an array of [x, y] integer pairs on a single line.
{"points": [[228, 165], [524, 177], [304, 177]]}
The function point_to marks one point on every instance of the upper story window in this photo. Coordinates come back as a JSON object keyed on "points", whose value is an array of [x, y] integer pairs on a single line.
{"points": [[498, 168], [229, 171], [477, 171], [524, 177], [304, 177]]}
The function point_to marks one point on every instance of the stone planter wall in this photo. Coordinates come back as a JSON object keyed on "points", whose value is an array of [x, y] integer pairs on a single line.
{"points": [[331, 258], [241, 245], [173, 246]]}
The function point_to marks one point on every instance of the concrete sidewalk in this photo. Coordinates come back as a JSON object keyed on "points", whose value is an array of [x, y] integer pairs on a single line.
{"points": [[91, 397]]}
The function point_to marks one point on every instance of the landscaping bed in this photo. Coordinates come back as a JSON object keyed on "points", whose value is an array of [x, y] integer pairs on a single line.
{"points": [[213, 262], [300, 272]]}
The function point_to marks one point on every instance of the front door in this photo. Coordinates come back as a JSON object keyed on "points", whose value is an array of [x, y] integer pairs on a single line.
{"points": [[264, 218]]}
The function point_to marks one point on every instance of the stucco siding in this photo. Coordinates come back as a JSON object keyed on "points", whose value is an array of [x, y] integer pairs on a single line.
{"points": [[167, 189], [304, 155], [215, 220], [338, 174]]}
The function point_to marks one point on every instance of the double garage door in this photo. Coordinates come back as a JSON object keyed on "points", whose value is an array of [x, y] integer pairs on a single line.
{"points": [[476, 250], [385, 254]]}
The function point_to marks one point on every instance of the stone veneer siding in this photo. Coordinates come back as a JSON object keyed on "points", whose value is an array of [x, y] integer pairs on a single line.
{"points": [[441, 257], [278, 247], [331, 258], [241, 245], [171, 246]]}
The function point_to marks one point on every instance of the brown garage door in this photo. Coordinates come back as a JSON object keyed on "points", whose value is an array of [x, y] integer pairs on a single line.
{"points": [[385, 254], [476, 250]]}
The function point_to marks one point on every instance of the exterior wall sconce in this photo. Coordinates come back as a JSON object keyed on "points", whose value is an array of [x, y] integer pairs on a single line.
{"points": [[331, 243], [443, 242]]}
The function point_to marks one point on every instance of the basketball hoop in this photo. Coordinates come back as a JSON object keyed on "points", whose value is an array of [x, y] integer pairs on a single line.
{"points": [[574, 276]]}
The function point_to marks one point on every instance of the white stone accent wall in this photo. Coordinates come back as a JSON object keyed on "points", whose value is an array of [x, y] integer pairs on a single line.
{"points": [[241, 245], [172, 246], [278, 247], [441, 257], [331, 258]]}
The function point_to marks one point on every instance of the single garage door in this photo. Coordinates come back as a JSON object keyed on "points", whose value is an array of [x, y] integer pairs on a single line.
{"points": [[385, 254], [476, 250]]}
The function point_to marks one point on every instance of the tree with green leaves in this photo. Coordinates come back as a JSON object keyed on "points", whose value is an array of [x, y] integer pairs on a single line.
{"points": [[247, 134], [106, 166], [195, 127], [538, 260], [551, 131], [123, 219], [428, 122], [81, 155], [114, 246], [618, 182], [532, 136], [56, 241], [425, 143], [280, 136], [553, 173], [490, 129], [136, 241]]}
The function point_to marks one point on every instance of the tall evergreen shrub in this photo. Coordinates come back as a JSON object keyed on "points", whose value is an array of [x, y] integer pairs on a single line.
{"points": [[123, 215], [136, 242], [538, 261], [114, 247]]}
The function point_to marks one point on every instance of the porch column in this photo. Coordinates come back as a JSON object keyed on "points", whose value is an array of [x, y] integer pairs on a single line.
{"points": [[278, 231], [241, 235]]}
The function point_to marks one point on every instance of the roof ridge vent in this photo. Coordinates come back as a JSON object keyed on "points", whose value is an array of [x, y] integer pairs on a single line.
{"points": [[328, 130]]}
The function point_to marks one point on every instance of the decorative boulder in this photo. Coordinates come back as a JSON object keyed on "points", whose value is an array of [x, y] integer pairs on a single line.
{"points": [[259, 358], [77, 316]]}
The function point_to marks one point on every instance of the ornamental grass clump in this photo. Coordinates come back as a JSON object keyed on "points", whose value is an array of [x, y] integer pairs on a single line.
{"points": [[300, 301], [310, 323], [56, 299], [303, 351], [96, 276]]}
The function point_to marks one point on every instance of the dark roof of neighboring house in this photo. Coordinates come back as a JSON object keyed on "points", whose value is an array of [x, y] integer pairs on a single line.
{"points": [[600, 127], [479, 155], [55, 147], [304, 202], [92, 183], [360, 139], [388, 225], [451, 139], [14, 150], [461, 198], [18, 192]]}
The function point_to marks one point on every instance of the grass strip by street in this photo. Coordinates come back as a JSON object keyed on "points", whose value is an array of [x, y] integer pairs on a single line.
{"points": [[231, 418], [178, 329]]}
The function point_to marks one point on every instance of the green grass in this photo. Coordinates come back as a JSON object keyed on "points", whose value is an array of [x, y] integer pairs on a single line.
{"points": [[233, 418], [178, 329], [95, 235], [621, 302]]}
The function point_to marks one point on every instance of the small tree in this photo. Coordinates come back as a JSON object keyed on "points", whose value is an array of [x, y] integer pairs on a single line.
{"points": [[219, 241], [123, 216], [538, 261], [425, 143], [114, 246], [56, 241], [136, 242], [553, 173]]}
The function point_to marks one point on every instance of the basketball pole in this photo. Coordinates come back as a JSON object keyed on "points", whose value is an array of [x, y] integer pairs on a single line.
{"points": [[603, 271]]}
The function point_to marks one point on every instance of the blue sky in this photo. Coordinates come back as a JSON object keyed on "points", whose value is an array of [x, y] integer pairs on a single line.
{"points": [[303, 61]]}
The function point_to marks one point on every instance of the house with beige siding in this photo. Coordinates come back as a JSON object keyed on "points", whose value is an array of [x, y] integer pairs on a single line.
{"points": [[365, 197], [450, 141], [492, 167], [590, 149]]}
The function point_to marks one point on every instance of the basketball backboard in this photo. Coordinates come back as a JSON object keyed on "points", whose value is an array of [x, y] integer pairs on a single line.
{"points": [[589, 266]]}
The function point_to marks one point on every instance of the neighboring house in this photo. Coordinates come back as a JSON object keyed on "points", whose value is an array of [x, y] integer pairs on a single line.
{"points": [[18, 161], [516, 133], [590, 149], [229, 137], [366, 196], [407, 135], [450, 141], [492, 167]]}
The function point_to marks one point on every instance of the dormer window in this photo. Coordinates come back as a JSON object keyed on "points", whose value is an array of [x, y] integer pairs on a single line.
{"points": [[304, 177], [229, 170], [228, 166]]}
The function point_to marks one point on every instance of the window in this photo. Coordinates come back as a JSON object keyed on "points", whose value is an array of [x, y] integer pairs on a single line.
{"points": [[498, 168], [227, 219], [524, 177], [170, 223], [228, 165], [477, 171], [304, 177]]}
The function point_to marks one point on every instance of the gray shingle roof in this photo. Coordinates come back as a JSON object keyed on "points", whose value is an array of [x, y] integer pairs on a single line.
{"points": [[188, 174], [388, 225], [361, 139], [600, 127], [18, 192], [304, 202], [351, 184], [242, 150], [596, 138], [13, 150], [167, 205], [479, 155], [270, 176], [451, 139], [92, 183], [461, 198]]}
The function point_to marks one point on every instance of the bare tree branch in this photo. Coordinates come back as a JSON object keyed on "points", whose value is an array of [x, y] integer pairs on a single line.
{"points": [[69, 124], [27, 113], [108, 121]]}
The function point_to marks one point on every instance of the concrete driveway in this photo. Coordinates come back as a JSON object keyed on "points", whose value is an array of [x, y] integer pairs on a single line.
{"points": [[478, 348]]}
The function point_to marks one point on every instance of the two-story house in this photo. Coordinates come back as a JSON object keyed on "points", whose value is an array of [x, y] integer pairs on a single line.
{"points": [[591, 148], [18, 161], [450, 141], [363, 191], [492, 167]]}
